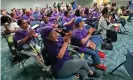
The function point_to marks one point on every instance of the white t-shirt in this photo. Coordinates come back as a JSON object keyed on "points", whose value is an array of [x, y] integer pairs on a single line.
{"points": [[103, 26], [12, 26]]}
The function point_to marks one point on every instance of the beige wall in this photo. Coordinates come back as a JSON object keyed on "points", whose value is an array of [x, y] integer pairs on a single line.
{"points": [[9, 4], [122, 2]]}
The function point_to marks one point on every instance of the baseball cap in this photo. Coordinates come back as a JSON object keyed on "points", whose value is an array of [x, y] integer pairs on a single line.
{"points": [[78, 20]]}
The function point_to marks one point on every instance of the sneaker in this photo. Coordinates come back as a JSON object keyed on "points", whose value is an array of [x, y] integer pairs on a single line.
{"points": [[95, 74], [101, 67], [77, 76], [129, 21], [14, 60], [124, 33], [101, 54]]}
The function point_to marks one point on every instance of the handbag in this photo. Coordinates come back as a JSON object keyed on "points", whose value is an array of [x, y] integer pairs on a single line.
{"points": [[115, 28]]}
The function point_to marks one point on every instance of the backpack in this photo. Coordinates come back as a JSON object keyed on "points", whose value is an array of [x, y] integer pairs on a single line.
{"points": [[112, 35], [107, 44]]}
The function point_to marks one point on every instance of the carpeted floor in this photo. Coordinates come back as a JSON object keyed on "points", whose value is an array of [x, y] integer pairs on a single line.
{"points": [[11, 71]]}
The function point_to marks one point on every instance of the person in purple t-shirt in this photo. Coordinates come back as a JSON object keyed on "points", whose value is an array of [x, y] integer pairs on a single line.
{"points": [[87, 45], [62, 64], [67, 21], [96, 14], [18, 14], [55, 13], [23, 37], [48, 23], [31, 10], [27, 16]]}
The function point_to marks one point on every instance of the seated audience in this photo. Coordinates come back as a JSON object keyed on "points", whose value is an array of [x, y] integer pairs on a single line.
{"points": [[47, 23], [123, 14], [27, 16], [67, 21]]}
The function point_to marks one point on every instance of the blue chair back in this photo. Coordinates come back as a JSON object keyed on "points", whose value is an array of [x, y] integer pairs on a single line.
{"points": [[34, 23]]}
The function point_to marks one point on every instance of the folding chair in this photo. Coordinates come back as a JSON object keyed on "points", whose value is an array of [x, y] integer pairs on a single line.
{"points": [[128, 64], [14, 50], [9, 40]]}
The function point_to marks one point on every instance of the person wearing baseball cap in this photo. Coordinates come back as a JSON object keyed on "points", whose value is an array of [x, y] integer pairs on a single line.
{"points": [[62, 64], [88, 43]]}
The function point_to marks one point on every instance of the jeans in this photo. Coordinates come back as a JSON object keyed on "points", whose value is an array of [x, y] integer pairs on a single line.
{"points": [[27, 47], [75, 66], [122, 21], [97, 39], [94, 55]]}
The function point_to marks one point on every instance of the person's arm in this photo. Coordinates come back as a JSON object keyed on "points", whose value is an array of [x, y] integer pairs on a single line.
{"points": [[52, 18], [7, 29], [13, 30], [104, 25], [14, 27], [20, 15], [65, 44], [69, 23], [23, 40], [30, 34], [54, 25], [62, 50], [84, 40], [10, 30]]}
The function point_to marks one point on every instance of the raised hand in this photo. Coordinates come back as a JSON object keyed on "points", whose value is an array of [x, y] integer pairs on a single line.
{"points": [[31, 33], [67, 37], [92, 45], [91, 30]]}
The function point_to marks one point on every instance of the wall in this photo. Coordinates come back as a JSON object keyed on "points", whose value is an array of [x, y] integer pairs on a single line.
{"points": [[121, 2], [9, 4], [85, 2]]}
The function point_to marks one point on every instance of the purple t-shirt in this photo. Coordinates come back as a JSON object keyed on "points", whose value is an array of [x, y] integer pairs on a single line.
{"points": [[49, 24], [25, 17], [53, 48], [21, 34], [96, 14], [44, 25], [80, 34], [72, 15], [61, 14], [18, 14], [55, 14], [66, 20]]}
